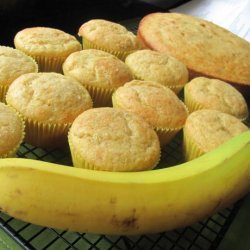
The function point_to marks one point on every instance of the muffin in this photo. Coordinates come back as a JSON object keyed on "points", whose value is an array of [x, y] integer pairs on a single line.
{"points": [[48, 46], [13, 63], [108, 36], [11, 131], [48, 102], [205, 93], [100, 72], [205, 48], [159, 67], [113, 140], [206, 129], [156, 104]]}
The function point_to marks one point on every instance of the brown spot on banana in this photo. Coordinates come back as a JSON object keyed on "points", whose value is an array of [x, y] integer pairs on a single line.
{"points": [[113, 200], [127, 223], [18, 191]]}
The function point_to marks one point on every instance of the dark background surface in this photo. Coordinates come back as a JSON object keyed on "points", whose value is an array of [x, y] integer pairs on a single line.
{"points": [[68, 15]]}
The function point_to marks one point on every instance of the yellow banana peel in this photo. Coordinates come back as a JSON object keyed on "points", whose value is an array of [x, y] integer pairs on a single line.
{"points": [[117, 203]]}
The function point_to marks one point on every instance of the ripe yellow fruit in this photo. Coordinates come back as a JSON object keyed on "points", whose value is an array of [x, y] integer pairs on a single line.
{"points": [[126, 203]]}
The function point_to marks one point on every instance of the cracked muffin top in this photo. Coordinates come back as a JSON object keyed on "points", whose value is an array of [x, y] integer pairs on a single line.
{"points": [[156, 103], [46, 41], [14, 63], [204, 47], [208, 129], [151, 65], [11, 131], [109, 35], [97, 68], [205, 93], [48, 97], [114, 140]]}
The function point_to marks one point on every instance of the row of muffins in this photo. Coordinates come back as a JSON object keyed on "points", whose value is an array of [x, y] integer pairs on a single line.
{"points": [[118, 132], [100, 72], [124, 141], [165, 95]]}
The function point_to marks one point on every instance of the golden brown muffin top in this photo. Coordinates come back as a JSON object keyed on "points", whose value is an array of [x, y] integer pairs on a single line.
{"points": [[215, 94], [11, 129], [97, 68], [14, 63], [110, 35], [156, 103], [114, 140], [46, 41], [202, 46], [155, 66], [210, 128], [48, 97]]}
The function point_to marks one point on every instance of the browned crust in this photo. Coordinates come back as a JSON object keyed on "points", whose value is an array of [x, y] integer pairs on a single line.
{"points": [[243, 87]]}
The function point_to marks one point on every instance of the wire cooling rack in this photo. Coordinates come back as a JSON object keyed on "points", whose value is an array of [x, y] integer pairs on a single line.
{"points": [[204, 235]]}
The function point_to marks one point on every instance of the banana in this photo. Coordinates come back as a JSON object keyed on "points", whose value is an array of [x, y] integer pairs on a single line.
{"points": [[126, 203]]}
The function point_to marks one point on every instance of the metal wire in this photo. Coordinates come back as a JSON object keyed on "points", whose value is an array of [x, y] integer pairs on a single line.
{"points": [[204, 235]]}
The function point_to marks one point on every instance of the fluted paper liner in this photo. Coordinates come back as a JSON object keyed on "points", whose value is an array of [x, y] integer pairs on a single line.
{"points": [[101, 96], [3, 90], [190, 149], [165, 135], [190, 103], [12, 152], [80, 162], [46, 134], [77, 159], [50, 64], [120, 54]]}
